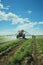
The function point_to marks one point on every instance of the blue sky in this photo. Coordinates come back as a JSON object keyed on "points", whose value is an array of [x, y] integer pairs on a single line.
{"points": [[21, 14]]}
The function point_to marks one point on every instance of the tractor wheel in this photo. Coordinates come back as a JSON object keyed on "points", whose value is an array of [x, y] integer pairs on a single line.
{"points": [[23, 36], [17, 36]]}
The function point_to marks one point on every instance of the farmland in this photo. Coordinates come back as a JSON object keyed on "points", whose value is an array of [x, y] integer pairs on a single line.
{"points": [[19, 51], [1, 38]]}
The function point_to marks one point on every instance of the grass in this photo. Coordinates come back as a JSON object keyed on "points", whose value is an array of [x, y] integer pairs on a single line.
{"points": [[1, 38], [23, 51], [5, 46], [40, 45]]}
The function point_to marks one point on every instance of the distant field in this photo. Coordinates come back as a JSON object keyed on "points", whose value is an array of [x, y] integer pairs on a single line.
{"points": [[9, 38], [6, 38], [39, 36], [1, 38]]}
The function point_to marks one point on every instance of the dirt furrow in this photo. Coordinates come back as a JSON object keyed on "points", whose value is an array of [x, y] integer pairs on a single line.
{"points": [[6, 58]]}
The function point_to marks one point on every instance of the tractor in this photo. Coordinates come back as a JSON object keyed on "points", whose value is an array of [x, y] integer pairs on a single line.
{"points": [[21, 34]]}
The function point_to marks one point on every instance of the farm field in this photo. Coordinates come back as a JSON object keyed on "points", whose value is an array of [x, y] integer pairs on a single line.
{"points": [[19, 51], [1, 38], [7, 38]]}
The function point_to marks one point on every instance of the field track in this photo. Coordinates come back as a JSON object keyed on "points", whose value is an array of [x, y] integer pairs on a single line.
{"points": [[5, 58]]}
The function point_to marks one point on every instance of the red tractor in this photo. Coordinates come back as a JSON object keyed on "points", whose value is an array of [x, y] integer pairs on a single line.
{"points": [[21, 34]]}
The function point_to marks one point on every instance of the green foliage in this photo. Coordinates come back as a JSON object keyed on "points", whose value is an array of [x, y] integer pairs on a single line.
{"points": [[1, 38], [23, 51], [9, 44], [40, 45]]}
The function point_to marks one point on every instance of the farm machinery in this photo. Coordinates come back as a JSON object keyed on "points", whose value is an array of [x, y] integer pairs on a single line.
{"points": [[21, 34]]}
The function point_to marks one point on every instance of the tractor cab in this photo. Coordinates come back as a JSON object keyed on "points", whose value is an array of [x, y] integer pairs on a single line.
{"points": [[21, 34]]}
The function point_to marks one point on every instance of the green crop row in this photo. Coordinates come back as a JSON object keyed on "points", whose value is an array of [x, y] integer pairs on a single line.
{"points": [[40, 45], [1, 38], [5, 46], [24, 50]]}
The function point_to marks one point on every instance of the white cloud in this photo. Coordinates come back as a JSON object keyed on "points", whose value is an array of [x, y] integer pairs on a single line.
{"points": [[40, 22], [3, 16], [15, 19], [12, 17], [27, 27], [30, 28], [2, 7], [29, 12]]}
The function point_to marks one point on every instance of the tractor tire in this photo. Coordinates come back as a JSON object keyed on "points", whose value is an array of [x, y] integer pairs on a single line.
{"points": [[17, 36], [23, 36]]}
